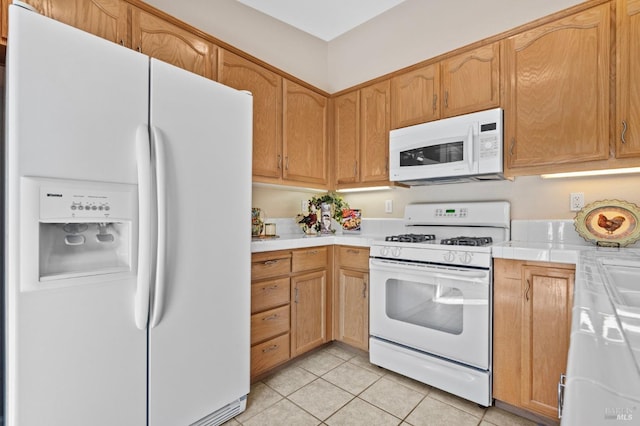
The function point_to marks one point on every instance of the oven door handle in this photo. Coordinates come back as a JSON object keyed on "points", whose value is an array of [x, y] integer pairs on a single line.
{"points": [[433, 271]]}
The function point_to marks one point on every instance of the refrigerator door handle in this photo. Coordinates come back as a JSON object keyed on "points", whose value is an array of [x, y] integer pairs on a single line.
{"points": [[161, 188], [145, 223]]}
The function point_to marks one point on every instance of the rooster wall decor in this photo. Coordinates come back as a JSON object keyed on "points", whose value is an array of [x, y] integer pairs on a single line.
{"points": [[610, 223]]}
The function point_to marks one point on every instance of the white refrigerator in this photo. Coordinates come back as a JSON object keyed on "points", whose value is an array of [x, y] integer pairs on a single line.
{"points": [[127, 237]]}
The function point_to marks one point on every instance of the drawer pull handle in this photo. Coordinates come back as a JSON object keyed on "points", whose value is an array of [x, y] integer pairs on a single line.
{"points": [[272, 288], [353, 251], [270, 262], [271, 317], [270, 349], [312, 252]]}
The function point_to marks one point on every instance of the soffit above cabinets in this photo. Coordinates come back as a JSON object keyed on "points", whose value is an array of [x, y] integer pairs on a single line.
{"points": [[324, 19]]}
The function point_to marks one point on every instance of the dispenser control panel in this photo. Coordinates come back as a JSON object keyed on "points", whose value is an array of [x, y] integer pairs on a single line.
{"points": [[75, 202]]}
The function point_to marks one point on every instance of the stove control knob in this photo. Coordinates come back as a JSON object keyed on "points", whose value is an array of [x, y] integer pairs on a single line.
{"points": [[396, 251], [449, 256], [466, 258], [384, 251]]}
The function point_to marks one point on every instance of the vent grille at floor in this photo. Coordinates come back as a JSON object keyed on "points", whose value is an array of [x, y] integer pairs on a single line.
{"points": [[223, 414]]}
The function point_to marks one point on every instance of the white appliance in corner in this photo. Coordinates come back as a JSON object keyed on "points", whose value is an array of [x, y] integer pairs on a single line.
{"points": [[128, 193]]}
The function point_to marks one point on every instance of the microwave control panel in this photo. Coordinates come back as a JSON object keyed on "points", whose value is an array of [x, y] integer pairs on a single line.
{"points": [[489, 146]]}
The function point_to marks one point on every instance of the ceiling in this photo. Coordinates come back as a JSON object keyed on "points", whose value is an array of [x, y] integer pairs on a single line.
{"points": [[326, 19]]}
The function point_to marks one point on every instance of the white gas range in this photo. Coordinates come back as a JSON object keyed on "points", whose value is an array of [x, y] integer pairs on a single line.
{"points": [[431, 296]]}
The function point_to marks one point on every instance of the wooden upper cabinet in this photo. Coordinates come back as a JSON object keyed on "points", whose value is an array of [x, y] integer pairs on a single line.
{"points": [[374, 128], [557, 93], [470, 81], [628, 82], [346, 137], [104, 18], [167, 42], [305, 143], [414, 96], [266, 87]]}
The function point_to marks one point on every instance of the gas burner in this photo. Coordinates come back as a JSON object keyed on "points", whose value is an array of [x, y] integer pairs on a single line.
{"points": [[411, 238], [467, 241]]}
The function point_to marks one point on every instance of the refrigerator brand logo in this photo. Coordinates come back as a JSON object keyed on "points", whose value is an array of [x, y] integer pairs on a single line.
{"points": [[49, 194]]}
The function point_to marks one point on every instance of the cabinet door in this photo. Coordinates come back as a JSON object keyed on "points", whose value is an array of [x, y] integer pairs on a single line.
{"points": [[305, 145], [160, 39], [507, 330], [470, 81], [308, 311], [546, 328], [353, 305], [374, 120], [557, 101], [104, 18], [628, 83], [266, 87], [346, 137], [414, 96], [4, 24]]}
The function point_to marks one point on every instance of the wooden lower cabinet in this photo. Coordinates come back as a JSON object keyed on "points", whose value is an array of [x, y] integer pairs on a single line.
{"points": [[352, 296], [531, 330], [289, 310], [308, 310], [270, 312]]}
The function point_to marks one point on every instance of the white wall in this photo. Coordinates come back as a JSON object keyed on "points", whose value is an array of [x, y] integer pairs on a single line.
{"points": [[409, 33], [417, 30], [266, 38]]}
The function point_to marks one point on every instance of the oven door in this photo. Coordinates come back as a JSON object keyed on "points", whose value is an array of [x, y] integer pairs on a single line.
{"points": [[441, 310], [417, 153]]}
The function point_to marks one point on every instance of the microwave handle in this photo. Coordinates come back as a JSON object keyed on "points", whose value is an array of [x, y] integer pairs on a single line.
{"points": [[470, 149]]}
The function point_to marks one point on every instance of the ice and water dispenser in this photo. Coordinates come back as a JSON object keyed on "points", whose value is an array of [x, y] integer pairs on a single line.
{"points": [[76, 232]]}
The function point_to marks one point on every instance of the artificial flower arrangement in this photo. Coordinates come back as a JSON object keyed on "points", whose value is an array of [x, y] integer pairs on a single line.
{"points": [[320, 210]]}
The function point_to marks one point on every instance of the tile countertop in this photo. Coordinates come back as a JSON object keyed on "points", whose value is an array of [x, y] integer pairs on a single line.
{"points": [[603, 368]]}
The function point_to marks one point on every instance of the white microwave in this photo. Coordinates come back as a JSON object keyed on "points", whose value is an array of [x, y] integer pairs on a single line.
{"points": [[458, 149]]}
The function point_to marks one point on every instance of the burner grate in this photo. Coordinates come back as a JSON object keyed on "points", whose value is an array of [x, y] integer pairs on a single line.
{"points": [[411, 238], [467, 241]]}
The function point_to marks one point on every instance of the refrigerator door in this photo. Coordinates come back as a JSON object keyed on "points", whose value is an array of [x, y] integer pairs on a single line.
{"points": [[74, 355], [199, 349]]}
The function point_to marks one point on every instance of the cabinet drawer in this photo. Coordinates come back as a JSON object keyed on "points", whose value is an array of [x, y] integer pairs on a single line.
{"points": [[269, 294], [269, 323], [270, 268], [269, 354], [353, 257], [308, 259]]}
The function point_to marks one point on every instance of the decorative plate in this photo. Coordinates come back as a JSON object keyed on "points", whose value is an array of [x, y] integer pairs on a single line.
{"points": [[609, 222]]}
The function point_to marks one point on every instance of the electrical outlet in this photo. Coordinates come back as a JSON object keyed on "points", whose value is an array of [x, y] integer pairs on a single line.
{"points": [[304, 205], [388, 206], [576, 201]]}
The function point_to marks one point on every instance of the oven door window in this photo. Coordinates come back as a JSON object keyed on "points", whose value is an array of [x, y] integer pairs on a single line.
{"points": [[435, 306]]}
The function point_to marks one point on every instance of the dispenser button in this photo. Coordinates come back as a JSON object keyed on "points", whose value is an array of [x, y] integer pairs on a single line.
{"points": [[94, 208]]}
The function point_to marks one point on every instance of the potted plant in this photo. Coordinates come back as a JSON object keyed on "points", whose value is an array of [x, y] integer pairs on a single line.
{"points": [[320, 210]]}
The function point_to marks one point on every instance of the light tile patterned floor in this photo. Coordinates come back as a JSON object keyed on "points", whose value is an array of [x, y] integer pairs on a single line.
{"points": [[335, 386]]}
